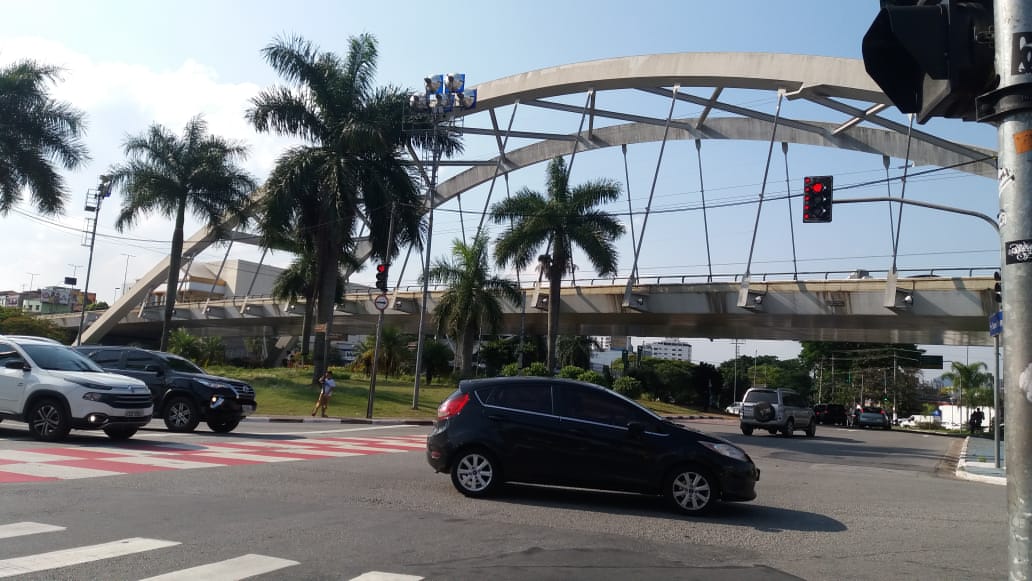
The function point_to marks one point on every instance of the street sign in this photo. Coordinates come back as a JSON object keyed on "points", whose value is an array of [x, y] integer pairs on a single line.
{"points": [[996, 323], [380, 302]]}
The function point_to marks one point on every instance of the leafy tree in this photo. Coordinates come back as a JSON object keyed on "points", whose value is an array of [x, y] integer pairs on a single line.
{"points": [[575, 350], [171, 175], [473, 298], [393, 352], [14, 322], [37, 133], [212, 351], [563, 218], [437, 357], [182, 343], [349, 168], [969, 377]]}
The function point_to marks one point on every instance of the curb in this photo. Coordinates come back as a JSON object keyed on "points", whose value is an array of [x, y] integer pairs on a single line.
{"points": [[964, 469]]}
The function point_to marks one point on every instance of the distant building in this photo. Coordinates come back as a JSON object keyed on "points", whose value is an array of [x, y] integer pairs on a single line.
{"points": [[672, 349]]}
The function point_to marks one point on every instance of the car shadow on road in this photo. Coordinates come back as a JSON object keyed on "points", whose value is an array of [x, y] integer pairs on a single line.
{"points": [[747, 514]]}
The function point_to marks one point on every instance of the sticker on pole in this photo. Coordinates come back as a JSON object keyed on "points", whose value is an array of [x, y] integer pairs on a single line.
{"points": [[1018, 251], [380, 302]]}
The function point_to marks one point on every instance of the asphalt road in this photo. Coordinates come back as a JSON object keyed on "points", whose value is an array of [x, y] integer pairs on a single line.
{"points": [[847, 504]]}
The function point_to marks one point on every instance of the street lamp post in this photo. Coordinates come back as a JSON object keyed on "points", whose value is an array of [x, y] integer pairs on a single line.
{"points": [[125, 275], [443, 97], [93, 201]]}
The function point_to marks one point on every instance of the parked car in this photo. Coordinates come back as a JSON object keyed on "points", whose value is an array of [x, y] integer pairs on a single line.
{"points": [[776, 410], [830, 413], [570, 433], [734, 408], [872, 417], [54, 389], [183, 393]]}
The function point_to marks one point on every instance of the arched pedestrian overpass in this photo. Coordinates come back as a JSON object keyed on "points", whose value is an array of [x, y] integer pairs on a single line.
{"points": [[851, 118]]}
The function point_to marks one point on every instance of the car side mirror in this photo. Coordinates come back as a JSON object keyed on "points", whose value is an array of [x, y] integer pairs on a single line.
{"points": [[17, 364]]}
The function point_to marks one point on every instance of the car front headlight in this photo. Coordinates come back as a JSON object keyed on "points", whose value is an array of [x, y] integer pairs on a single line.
{"points": [[213, 384], [93, 396], [728, 450]]}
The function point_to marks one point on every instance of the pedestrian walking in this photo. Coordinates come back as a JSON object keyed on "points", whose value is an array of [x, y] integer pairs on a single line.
{"points": [[975, 424], [326, 384]]}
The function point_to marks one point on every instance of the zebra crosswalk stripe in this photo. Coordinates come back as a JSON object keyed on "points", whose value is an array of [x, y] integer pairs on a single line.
{"points": [[78, 555], [20, 529], [229, 570]]}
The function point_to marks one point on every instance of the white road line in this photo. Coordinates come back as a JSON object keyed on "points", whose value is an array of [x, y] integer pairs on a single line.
{"points": [[160, 462], [382, 576], [19, 529], [22, 456], [216, 455], [228, 570], [44, 470], [78, 555]]}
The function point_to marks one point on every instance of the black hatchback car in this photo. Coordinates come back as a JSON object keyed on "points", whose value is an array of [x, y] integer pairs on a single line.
{"points": [[830, 413], [561, 432]]}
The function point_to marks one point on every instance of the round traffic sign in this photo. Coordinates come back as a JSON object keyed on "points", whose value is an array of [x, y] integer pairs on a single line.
{"points": [[380, 302]]}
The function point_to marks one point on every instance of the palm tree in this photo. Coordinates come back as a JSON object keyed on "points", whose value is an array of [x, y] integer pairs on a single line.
{"points": [[349, 169], [575, 350], [171, 175], [36, 133], [564, 218], [393, 352], [472, 300], [967, 377]]}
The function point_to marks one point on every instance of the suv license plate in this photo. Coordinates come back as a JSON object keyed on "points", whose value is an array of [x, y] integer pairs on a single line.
{"points": [[133, 413]]}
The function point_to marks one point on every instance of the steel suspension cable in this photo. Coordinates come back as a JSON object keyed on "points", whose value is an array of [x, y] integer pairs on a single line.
{"points": [[902, 192], [630, 209], [498, 166], [705, 217], [791, 223], [763, 189]]}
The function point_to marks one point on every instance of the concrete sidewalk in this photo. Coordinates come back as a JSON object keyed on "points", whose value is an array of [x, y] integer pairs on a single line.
{"points": [[978, 462]]}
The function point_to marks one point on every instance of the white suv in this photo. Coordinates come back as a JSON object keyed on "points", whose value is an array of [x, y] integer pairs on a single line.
{"points": [[53, 389], [776, 410]]}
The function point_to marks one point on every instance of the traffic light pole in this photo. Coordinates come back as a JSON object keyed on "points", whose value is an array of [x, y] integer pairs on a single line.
{"points": [[1013, 30]]}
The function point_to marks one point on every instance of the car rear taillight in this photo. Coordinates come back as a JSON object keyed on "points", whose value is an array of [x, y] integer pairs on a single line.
{"points": [[452, 406]]}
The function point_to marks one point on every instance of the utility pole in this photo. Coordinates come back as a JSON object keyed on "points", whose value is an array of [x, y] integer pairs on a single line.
{"points": [[1013, 32]]}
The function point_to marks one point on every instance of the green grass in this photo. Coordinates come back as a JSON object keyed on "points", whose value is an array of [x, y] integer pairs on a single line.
{"points": [[289, 392]]}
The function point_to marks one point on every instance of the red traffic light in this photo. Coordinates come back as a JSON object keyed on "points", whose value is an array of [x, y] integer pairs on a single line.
{"points": [[818, 187], [381, 268]]}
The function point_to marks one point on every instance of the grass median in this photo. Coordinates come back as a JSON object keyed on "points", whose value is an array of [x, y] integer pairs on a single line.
{"points": [[289, 392]]}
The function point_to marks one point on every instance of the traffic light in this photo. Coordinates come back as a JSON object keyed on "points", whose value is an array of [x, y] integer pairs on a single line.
{"points": [[998, 287], [932, 58], [817, 201], [381, 277]]}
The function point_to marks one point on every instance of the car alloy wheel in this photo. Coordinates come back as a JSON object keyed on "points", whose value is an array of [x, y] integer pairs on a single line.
{"points": [[181, 415], [692, 490], [48, 421], [475, 473]]}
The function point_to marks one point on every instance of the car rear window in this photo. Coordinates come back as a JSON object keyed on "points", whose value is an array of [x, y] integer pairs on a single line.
{"points": [[872, 410], [761, 396]]}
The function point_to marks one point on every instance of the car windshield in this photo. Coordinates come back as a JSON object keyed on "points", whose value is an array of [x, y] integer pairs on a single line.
{"points": [[761, 396], [59, 358], [182, 365]]}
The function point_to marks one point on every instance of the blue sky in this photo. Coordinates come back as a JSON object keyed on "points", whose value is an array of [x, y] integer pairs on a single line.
{"points": [[129, 64]]}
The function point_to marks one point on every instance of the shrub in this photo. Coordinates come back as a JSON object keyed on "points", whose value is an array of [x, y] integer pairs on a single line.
{"points": [[537, 369], [510, 370], [592, 377], [628, 386], [570, 372]]}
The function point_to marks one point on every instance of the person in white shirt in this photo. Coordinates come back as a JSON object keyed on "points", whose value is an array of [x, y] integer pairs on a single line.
{"points": [[327, 383]]}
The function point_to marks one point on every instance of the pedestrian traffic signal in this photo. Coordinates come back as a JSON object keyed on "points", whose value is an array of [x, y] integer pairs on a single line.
{"points": [[998, 287], [817, 201], [381, 277], [932, 58]]}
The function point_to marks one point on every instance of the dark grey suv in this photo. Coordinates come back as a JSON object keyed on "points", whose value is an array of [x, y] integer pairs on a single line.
{"points": [[184, 394], [776, 410]]}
